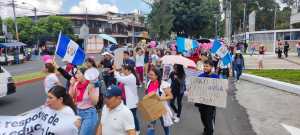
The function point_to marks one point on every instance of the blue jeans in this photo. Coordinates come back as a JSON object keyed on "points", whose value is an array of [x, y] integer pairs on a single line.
{"points": [[151, 131], [298, 50], [136, 120], [238, 68], [89, 119]]}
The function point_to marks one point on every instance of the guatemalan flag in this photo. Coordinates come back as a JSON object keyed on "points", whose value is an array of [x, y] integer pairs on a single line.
{"points": [[69, 50], [185, 44], [221, 51]]}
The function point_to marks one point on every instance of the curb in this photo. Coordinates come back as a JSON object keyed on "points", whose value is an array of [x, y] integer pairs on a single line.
{"points": [[293, 61], [20, 83], [291, 88]]}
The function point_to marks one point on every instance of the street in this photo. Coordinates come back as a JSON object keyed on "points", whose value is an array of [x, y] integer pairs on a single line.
{"points": [[230, 121]]}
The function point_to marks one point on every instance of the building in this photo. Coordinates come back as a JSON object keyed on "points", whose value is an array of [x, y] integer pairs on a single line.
{"points": [[295, 17], [126, 28]]}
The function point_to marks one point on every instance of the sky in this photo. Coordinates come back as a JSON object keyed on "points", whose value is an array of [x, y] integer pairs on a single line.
{"points": [[72, 6]]}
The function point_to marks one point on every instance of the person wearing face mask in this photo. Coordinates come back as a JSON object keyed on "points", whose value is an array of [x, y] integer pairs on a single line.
{"points": [[207, 112]]}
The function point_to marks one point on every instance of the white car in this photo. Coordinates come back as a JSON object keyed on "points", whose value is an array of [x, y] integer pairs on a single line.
{"points": [[7, 84]]}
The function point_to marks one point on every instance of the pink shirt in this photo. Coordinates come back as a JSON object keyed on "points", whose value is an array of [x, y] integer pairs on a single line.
{"points": [[86, 101]]}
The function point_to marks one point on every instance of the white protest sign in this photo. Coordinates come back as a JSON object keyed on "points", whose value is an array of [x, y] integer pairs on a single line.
{"points": [[40, 121], [3, 84], [208, 91], [166, 71], [94, 44], [119, 57]]}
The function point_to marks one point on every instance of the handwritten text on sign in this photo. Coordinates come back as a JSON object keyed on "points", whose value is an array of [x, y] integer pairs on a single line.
{"points": [[208, 91]]}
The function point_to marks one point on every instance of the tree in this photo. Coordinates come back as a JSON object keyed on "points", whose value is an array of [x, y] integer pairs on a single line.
{"points": [[283, 18], [160, 20], [46, 28], [195, 17]]}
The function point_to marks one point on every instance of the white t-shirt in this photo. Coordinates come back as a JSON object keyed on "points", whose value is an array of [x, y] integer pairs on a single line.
{"points": [[67, 110], [130, 86], [117, 121], [92, 74], [154, 58], [139, 60], [50, 81]]}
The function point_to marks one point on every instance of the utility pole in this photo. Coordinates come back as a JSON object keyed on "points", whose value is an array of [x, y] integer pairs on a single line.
{"points": [[86, 16], [35, 16], [275, 17], [228, 21], [132, 33], [15, 19]]}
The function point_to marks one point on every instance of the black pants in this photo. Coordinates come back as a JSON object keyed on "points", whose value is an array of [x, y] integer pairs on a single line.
{"points": [[177, 96], [208, 115], [109, 80], [286, 53], [136, 120]]}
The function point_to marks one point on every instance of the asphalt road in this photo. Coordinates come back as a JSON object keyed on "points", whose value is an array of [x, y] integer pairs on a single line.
{"points": [[230, 121]]}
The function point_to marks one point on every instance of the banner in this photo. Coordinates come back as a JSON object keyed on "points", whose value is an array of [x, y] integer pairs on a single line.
{"points": [[208, 91], [151, 107], [166, 71], [40, 121], [94, 44]]}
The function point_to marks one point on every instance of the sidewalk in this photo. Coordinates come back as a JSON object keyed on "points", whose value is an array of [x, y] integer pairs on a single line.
{"points": [[272, 62], [268, 108]]}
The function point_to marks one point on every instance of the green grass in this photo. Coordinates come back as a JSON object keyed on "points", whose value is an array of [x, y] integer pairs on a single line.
{"points": [[28, 76], [285, 75]]}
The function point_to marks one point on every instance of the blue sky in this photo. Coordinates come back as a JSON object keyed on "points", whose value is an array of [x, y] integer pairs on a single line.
{"points": [[123, 5]]}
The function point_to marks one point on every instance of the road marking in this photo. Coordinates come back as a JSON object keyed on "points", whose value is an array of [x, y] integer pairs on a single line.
{"points": [[292, 130]]}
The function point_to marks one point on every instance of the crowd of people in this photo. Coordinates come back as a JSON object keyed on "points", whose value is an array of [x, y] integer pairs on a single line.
{"points": [[110, 108]]}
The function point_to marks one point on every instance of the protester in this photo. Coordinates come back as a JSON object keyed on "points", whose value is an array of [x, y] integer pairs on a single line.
{"points": [[128, 78], [238, 64], [245, 47], [253, 48], [207, 112], [92, 74], [86, 97], [127, 59], [261, 52], [140, 63], [117, 119], [286, 48], [61, 102], [298, 48], [224, 70], [163, 90], [67, 73], [51, 79], [107, 64], [178, 87], [279, 49], [154, 57]]}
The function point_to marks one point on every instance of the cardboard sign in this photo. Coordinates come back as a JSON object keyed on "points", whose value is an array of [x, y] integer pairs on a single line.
{"points": [[208, 91], [94, 44], [40, 121], [151, 108]]}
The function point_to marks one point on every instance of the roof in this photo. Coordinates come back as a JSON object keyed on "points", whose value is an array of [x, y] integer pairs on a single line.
{"points": [[13, 44]]}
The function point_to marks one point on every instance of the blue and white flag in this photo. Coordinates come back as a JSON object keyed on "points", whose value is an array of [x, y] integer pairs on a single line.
{"points": [[185, 44], [69, 50], [221, 51]]}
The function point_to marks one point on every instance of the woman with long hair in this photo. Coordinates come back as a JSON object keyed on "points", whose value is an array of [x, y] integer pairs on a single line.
{"points": [[61, 102], [86, 96], [261, 52], [157, 86], [178, 87], [238, 64], [129, 80]]}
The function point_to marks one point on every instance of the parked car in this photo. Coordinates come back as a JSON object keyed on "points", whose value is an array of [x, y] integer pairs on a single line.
{"points": [[7, 84]]}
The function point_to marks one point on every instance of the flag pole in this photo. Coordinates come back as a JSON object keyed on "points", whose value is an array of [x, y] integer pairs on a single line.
{"points": [[57, 45]]}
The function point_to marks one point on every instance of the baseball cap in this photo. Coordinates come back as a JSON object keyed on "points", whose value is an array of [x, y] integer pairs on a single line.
{"points": [[113, 91]]}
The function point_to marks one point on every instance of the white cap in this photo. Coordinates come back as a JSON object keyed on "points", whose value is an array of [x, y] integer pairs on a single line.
{"points": [[238, 51]]}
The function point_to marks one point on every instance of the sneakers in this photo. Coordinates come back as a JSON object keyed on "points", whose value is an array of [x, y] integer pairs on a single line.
{"points": [[176, 119], [138, 132]]}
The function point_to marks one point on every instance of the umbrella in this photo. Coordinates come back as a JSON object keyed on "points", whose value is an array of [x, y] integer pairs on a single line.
{"points": [[108, 37], [177, 59]]}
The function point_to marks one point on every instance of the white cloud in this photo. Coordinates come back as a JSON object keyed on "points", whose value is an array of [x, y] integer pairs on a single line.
{"points": [[24, 7], [93, 7]]}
